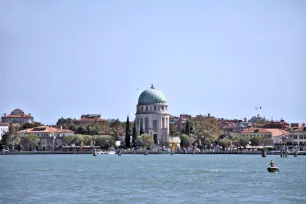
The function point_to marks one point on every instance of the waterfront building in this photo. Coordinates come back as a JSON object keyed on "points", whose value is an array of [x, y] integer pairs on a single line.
{"points": [[50, 138], [17, 116], [272, 136], [298, 136], [279, 136], [4, 127], [152, 115], [88, 119], [258, 132]]}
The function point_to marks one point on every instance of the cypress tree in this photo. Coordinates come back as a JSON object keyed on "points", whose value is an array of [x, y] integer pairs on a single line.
{"points": [[127, 133], [187, 128], [134, 135]]}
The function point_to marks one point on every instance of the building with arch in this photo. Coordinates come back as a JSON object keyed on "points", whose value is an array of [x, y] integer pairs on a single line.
{"points": [[152, 115]]}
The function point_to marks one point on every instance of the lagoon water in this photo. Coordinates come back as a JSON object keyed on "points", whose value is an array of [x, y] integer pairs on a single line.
{"points": [[151, 179]]}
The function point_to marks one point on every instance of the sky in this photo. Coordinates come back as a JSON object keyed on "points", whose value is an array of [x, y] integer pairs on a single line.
{"points": [[65, 58]]}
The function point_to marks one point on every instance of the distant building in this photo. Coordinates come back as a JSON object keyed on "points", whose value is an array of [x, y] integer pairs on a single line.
{"points": [[279, 135], [4, 127], [17, 116], [272, 136], [186, 116], [233, 125], [88, 119], [178, 122], [277, 125], [50, 138], [152, 115], [299, 136]]}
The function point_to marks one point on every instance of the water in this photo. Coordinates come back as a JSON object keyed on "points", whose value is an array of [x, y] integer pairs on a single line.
{"points": [[151, 179]]}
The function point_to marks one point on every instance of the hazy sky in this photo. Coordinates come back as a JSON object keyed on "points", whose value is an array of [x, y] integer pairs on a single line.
{"points": [[66, 58]]}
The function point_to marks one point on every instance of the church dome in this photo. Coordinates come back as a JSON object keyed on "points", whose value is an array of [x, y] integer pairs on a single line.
{"points": [[151, 96]]}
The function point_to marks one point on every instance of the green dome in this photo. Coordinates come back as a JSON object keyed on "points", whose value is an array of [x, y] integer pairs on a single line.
{"points": [[151, 96]]}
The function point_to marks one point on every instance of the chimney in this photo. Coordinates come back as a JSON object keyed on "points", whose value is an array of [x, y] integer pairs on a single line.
{"points": [[208, 115], [244, 119], [4, 114], [61, 127], [29, 114]]}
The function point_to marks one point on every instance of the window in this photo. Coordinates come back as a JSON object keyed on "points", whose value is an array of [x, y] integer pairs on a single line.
{"points": [[162, 108], [295, 137], [305, 137], [301, 137], [147, 108], [155, 108]]}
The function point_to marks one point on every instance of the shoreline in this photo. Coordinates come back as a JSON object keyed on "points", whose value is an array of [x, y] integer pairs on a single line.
{"points": [[142, 152]]}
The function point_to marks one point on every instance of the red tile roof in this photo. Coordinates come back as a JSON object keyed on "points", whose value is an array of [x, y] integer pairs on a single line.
{"points": [[253, 130], [277, 132], [4, 124], [45, 129]]}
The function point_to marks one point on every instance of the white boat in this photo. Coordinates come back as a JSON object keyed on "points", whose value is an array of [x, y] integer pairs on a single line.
{"points": [[111, 152], [100, 152]]}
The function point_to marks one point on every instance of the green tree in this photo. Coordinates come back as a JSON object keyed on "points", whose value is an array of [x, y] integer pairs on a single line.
{"points": [[225, 143], [206, 130], [256, 141], [236, 143], [116, 127], [81, 130], [29, 125], [64, 121], [134, 134], [104, 141], [127, 133], [31, 140], [69, 140], [187, 128], [144, 140], [244, 141], [186, 140]]}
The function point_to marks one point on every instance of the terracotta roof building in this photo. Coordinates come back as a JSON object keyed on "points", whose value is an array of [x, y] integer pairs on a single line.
{"points": [[17, 116], [274, 135], [88, 119], [50, 138]]}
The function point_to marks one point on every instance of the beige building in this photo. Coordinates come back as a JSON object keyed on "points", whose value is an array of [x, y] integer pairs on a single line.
{"points": [[274, 136], [50, 138], [298, 136], [17, 116]]}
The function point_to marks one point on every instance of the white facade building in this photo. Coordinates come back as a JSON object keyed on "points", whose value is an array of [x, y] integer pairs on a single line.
{"points": [[299, 137], [4, 127], [152, 115]]}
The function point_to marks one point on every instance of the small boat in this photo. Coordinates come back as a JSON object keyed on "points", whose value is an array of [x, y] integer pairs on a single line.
{"points": [[100, 152], [111, 152], [273, 169]]}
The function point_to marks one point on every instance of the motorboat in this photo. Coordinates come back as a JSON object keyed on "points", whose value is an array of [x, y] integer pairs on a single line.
{"points": [[273, 169], [111, 152], [100, 152]]}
